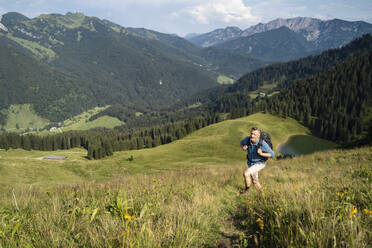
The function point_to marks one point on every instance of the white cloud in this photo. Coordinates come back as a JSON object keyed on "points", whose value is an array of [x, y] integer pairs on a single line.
{"points": [[218, 11]]}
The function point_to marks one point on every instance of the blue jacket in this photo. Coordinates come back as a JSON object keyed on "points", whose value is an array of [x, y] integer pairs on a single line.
{"points": [[252, 155]]}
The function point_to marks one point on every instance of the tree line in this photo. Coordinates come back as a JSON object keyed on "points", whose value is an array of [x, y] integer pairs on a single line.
{"points": [[334, 104], [103, 142]]}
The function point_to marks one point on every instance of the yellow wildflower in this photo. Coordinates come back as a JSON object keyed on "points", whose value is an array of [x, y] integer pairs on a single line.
{"points": [[263, 195], [127, 216], [260, 223], [341, 195], [248, 201], [354, 211], [366, 211]]}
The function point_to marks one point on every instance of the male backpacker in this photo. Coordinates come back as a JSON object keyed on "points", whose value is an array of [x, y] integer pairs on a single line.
{"points": [[259, 149]]}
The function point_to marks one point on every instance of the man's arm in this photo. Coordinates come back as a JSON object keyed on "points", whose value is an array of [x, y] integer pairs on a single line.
{"points": [[244, 143], [266, 151]]}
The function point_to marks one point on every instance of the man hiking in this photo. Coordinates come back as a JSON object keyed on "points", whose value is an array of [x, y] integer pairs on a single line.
{"points": [[258, 151]]}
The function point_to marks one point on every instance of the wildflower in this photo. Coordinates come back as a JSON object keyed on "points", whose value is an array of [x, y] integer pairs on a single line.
{"points": [[260, 223], [341, 195], [263, 195], [127, 230], [248, 201], [366, 211], [354, 211], [127, 216]]}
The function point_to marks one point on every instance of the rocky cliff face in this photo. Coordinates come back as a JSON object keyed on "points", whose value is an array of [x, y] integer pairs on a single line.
{"points": [[217, 36], [323, 34], [2, 27], [308, 27]]}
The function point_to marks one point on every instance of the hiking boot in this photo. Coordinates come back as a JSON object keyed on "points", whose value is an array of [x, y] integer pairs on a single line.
{"points": [[245, 191]]}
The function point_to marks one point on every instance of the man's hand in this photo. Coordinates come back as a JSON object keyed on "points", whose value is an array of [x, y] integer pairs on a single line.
{"points": [[259, 151], [245, 147], [263, 154]]}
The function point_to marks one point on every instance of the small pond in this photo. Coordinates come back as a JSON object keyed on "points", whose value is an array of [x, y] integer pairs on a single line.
{"points": [[304, 144]]}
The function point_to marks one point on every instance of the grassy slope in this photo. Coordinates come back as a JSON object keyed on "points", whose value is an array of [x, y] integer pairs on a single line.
{"points": [[25, 117], [213, 146], [103, 121], [222, 79], [318, 200]]}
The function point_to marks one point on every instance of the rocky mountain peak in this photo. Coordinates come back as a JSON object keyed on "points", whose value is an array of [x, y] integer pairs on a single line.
{"points": [[2, 27], [295, 24], [217, 36]]}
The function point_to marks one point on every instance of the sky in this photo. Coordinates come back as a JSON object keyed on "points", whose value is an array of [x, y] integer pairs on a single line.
{"points": [[182, 17]]}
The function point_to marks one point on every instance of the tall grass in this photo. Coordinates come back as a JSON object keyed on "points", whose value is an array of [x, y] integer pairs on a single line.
{"points": [[318, 200], [187, 194], [172, 210]]}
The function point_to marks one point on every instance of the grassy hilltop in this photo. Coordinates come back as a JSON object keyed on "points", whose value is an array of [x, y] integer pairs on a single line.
{"points": [[186, 194], [213, 146]]}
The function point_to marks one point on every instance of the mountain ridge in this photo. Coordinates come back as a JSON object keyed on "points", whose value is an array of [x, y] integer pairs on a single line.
{"points": [[115, 64], [320, 35]]}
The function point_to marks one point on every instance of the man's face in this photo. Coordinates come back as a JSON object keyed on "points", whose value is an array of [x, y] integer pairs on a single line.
{"points": [[255, 134]]}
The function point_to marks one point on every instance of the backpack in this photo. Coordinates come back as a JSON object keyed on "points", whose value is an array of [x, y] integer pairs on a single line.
{"points": [[264, 137]]}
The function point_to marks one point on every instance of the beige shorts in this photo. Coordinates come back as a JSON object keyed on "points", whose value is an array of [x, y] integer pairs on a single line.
{"points": [[254, 169]]}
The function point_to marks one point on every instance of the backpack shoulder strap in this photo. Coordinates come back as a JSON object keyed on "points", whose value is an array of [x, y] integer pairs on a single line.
{"points": [[260, 143]]}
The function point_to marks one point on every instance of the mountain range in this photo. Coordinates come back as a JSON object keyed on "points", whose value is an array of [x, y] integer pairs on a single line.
{"points": [[65, 64], [303, 36], [98, 62]]}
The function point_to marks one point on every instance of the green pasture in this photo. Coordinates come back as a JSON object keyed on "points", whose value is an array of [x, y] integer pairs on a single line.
{"points": [[22, 117], [188, 194], [222, 79], [81, 122], [214, 146], [103, 121], [34, 47], [266, 88]]}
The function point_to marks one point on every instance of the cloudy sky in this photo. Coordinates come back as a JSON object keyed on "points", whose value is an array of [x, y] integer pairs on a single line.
{"points": [[195, 16]]}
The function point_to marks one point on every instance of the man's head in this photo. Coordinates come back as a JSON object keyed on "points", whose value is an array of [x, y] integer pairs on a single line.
{"points": [[255, 134]]}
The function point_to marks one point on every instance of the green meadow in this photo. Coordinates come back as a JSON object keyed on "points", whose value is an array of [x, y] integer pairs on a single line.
{"points": [[103, 121], [21, 117], [188, 194], [222, 79]]}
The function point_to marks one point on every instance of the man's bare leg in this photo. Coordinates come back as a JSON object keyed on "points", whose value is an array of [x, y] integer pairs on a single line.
{"points": [[247, 179], [256, 183]]}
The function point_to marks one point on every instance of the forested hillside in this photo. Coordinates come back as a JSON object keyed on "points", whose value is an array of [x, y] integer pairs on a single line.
{"points": [[225, 61], [280, 75], [54, 94], [112, 65], [103, 63], [334, 103], [331, 93]]}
